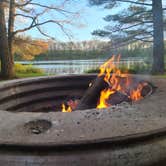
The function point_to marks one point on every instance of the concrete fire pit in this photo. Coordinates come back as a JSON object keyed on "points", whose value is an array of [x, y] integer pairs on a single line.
{"points": [[34, 131]]}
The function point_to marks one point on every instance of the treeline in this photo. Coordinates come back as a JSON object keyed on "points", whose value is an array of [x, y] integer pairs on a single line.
{"points": [[72, 54], [133, 50], [30, 49], [94, 54], [26, 48], [81, 45]]}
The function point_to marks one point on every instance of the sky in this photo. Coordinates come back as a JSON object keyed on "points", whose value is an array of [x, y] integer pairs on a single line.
{"points": [[90, 19]]}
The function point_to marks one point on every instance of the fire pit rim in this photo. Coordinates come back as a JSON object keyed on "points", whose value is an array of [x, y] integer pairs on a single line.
{"points": [[127, 138], [115, 141]]}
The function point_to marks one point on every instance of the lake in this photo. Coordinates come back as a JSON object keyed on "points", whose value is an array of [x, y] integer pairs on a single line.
{"points": [[65, 66], [74, 66]]}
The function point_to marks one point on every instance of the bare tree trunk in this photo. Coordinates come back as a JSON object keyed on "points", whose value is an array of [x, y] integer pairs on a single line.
{"points": [[6, 63], [10, 31], [158, 43]]}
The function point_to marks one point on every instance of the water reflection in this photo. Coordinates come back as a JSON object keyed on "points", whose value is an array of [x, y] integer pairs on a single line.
{"points": [[65, 66], [75, 66]]}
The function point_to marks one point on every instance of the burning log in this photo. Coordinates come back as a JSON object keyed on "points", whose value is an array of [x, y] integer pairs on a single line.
{"points": [[148, 89], [117, 98], [91, 96], [111, 87]]}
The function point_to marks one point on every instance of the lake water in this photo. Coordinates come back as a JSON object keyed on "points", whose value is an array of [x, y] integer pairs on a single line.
{"points": [[73, 66], [65, 66]]}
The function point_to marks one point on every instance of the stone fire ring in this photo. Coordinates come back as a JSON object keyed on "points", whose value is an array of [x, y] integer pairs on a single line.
{"points": [[123, 135]]}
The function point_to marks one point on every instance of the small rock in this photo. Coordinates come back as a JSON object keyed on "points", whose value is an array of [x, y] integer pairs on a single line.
{"points": [[82, 136], [36, 131]]}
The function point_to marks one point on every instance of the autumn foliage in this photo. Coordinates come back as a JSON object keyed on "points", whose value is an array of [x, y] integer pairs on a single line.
{"points": [[28, 48]]}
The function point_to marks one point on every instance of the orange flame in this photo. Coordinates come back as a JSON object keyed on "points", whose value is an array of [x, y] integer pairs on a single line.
{"points": [[107, 68], [135, 94], [116, 80], [113, 77], [64, 109], [104, 96]]}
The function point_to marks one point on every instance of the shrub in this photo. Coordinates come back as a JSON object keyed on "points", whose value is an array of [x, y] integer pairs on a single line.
{"points": [[93, 70], [26, 69]]}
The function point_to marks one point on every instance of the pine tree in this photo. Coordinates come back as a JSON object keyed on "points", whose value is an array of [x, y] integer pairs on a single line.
{"points": [[142, 20]]}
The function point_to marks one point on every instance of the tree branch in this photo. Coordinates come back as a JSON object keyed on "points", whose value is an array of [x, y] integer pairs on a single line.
{"points": [[51, 7], [138, 3], [132, 26], [144, 39], [24, 4], [44, 34], [130, 18], [141, 12], [121, 28], [36, 24], [26, 16]]}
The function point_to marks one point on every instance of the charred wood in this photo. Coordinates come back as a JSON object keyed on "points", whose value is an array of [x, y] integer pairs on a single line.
{"points": [[91, 96]]}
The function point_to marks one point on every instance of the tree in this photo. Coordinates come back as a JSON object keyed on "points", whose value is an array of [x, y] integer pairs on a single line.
{"points": [[36, 16], [27, 48], [6, 59], [141, 21]]}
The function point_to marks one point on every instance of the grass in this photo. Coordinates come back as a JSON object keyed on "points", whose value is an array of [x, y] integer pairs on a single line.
{"points": [[161, 76], [22, 75], [93, 70], [24, 71]]}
